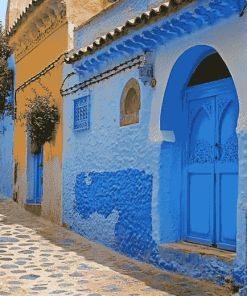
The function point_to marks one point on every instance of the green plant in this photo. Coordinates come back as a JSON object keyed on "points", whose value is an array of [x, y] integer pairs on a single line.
{"points": [[41, 117], [6, 75]]}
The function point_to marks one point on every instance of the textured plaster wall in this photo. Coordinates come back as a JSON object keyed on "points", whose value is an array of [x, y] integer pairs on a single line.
{"points": [[15, 8], [106, 151], [49, 84], [52, 173], [79, 11], [115, 150], [113, 17], [222, 37]]}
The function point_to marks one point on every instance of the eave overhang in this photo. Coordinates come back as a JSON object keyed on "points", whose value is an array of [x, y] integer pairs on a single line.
{"points": [[177, 26]]}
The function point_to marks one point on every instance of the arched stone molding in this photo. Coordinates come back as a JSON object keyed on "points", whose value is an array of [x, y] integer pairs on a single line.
{"points": [[35, 29], [228, 38], [173, 119], [130, 103]]}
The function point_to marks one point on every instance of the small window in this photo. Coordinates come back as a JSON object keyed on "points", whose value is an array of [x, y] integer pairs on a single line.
{"points": [[131, 103], [81, 113]]}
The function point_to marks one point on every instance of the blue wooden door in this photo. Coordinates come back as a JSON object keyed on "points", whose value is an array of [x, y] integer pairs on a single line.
{"points": [[38, 176], [212, 170]]}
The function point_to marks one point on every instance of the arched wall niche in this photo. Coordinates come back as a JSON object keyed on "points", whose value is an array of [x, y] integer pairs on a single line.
{"points": [[130, 103]]}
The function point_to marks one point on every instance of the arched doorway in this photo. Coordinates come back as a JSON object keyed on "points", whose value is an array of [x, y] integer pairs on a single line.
{"points": [[200, 94], [211, 155]]}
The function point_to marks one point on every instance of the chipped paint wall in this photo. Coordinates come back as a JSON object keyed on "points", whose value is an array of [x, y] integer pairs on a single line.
{"points": [[32, 60], [94, 158]]}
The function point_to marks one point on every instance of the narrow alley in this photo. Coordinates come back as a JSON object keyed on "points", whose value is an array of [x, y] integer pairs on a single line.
{"points": [[39, 257]]}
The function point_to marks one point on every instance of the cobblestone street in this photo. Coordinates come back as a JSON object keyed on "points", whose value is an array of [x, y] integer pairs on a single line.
{"points": [[41, 258]]}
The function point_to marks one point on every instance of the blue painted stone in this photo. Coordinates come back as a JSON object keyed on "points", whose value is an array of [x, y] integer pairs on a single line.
{"points": [[47, 264], [83, 282], [14, 283], [26, 252], [149, 290], [56, 292], [84, 267], [66, 285], [132, 268], [23, 236], [18, 271], [66, 242], [14, 288], [7, 239], [56, 275], [29, 277], [39, 288], [112, 289], [76, 274], [63, 267], [20, 262], [9, 266]]}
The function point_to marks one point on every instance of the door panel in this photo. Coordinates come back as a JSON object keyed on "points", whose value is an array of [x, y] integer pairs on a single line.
{"points": [[228, 209], [200, 207], [201, 170], [212, 169], [38, 177], [226, 170]]}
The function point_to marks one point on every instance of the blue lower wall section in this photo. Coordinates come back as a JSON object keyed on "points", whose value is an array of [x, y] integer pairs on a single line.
{"points": [[115, 210], [127, 192]]}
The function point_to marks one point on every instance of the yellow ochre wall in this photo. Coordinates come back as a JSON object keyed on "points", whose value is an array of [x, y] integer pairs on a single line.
{"points": [[40, 38], [31, 64]]}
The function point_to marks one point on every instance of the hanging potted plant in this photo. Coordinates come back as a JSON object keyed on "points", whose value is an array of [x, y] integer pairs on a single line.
{"points": [[41, 117]]}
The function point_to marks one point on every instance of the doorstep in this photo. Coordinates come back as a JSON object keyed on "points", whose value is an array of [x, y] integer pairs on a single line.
{"points": [[34, 209], [202, 250]]}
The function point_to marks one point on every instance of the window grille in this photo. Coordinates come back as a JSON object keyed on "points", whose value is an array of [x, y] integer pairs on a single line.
{"points": [[81, 113]]}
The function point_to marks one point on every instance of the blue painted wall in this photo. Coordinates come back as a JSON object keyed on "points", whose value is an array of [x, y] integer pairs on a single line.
{"points": [[128, 194], [97, 162], [6, 145]]}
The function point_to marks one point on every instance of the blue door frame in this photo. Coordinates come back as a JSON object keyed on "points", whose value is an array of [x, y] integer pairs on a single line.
{"points": [[212, 164], [38, 177]]}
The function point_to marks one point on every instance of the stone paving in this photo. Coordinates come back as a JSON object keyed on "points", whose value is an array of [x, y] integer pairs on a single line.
{"points": [[38, 257]]}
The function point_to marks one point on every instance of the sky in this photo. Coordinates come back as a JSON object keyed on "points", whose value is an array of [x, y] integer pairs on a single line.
{"points": [[3, 7]]}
